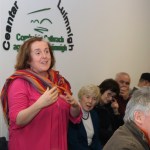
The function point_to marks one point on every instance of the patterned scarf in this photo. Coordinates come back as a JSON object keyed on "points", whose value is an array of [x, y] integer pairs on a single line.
{"points": [[38, 82]]}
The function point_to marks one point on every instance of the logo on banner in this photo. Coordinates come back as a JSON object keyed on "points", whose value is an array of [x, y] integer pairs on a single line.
{"points": [[40, 28]]}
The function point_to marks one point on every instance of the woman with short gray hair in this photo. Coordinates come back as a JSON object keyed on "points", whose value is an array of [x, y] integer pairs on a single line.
{"points": [[84, 136]]}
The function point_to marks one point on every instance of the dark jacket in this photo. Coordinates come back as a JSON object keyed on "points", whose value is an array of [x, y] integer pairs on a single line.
{"points": [[3, 143], [77, 137], [122, 105], [128, 137], [109, 122]]}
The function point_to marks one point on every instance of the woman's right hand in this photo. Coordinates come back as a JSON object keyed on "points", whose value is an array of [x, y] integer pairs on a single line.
{"points": [[49, 97], [115, 106]]}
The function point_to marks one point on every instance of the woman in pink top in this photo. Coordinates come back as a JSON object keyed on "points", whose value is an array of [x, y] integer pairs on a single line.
{"points": [[37, 100]]}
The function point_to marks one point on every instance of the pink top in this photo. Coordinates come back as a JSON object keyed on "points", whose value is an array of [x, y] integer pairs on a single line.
{"points": [[47, 131]]}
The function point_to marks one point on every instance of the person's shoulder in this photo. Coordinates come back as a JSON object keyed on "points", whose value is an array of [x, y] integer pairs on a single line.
{"points": [[121, 139], [133, 90], [19, 81]]}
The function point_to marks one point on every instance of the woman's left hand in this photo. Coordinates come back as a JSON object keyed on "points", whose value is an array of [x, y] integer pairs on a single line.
{"points": [[70, 99], [75, 108]]}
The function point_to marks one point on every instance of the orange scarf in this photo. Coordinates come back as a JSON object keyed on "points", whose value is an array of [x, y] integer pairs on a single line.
{"points": [[39, 83]]}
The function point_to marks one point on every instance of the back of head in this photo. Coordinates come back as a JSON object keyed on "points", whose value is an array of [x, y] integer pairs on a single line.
{"points": [[140, 101], [144, 80], [145, 77]]}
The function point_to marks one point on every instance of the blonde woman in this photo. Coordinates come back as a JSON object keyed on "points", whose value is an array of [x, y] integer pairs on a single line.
{"points": [[83, 136]]}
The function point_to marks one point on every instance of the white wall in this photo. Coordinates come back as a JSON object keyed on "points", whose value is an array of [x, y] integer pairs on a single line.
{"points": [[109, 36]]}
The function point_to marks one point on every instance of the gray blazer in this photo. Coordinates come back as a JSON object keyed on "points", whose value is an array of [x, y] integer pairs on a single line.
{"points": [[127, 137]]}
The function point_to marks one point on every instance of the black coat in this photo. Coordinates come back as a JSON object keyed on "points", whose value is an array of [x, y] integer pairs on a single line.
{"points": [[77, 137], [3, 143], [109, 122]]}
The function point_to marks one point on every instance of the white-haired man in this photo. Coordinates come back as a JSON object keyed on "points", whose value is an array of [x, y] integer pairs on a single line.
{"points": [[123, 80]]}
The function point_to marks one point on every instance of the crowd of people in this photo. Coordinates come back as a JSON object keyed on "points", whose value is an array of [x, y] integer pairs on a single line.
{"points": [[42, 113], [135, 132]]}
